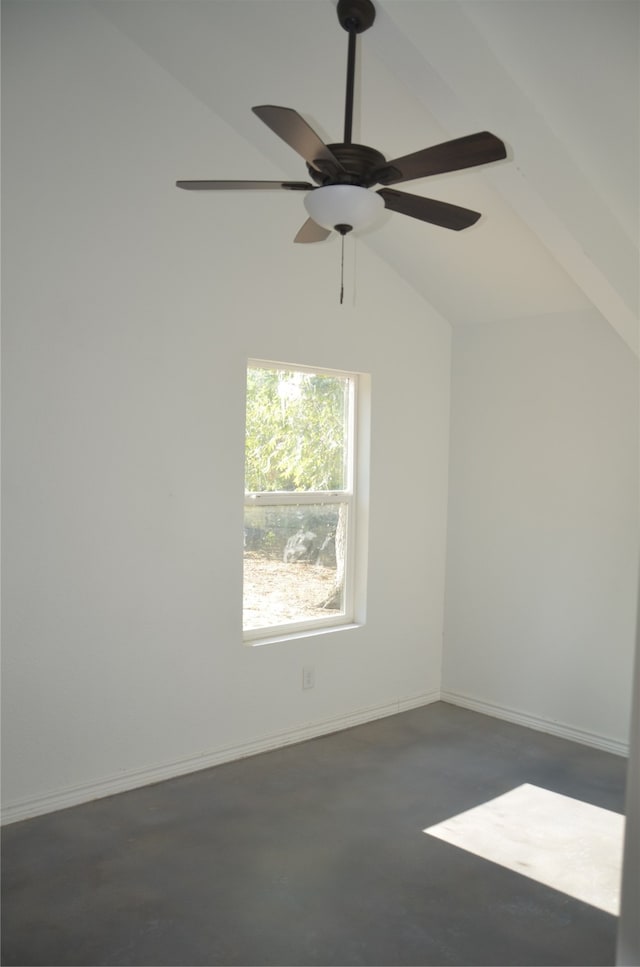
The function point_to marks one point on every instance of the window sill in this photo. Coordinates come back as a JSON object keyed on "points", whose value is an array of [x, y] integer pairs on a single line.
{"points": [[306, 633]]}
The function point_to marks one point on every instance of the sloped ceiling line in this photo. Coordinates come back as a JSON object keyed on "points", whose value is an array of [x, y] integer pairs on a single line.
{"points": [[545, 186]]}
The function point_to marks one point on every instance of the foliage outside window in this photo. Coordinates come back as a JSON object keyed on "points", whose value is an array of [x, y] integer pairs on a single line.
{"points": [[299, 491]]}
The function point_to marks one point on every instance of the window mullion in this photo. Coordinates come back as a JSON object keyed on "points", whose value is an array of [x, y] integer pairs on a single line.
{"points": [[275, 498]]}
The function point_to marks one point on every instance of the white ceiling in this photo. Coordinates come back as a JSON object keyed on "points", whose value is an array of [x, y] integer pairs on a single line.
{"points": [[557, 80]]}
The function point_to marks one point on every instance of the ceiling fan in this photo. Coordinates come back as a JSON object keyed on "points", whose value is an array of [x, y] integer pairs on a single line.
{"points": [[341, 198]]}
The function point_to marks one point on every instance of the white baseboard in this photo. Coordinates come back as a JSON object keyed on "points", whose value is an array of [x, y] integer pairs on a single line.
{"points": [[560, 729], [134, 779]]}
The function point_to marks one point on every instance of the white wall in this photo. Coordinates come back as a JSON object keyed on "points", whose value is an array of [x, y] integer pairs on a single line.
{"points": [[543, 524], [130, 309], [628, 947]]}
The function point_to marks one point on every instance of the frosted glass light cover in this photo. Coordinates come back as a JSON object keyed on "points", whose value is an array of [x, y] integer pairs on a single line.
{"points": [[343, 205]]}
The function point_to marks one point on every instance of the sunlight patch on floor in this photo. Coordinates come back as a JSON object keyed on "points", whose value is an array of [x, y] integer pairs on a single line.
{"points": [[564, 843]]}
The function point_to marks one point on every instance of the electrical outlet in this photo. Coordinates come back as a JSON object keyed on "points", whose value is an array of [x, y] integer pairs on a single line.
{"points": [[308, 677]]}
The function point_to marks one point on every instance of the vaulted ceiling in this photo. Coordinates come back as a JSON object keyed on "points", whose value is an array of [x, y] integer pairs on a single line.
{"points": [[556, 80]]}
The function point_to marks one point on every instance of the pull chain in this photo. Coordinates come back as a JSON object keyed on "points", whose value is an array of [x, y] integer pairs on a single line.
{"points": [[343, 229]]}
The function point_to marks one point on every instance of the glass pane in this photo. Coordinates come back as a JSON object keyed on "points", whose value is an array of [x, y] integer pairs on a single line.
{"points": [[296, 431], [293, 563]]}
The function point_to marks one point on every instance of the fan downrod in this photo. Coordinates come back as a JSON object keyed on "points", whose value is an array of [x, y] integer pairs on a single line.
{"points": [[356, 15]]}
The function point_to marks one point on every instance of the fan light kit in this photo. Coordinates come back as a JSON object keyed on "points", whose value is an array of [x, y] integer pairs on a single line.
{"points": [[343, 207], [342, 198]]}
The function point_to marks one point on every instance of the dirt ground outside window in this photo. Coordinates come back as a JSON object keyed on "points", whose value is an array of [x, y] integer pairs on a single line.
{"points": [[275, 592]]}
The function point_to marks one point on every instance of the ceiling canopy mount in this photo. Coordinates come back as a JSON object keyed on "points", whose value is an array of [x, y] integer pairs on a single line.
{"points": [[356, 15]]}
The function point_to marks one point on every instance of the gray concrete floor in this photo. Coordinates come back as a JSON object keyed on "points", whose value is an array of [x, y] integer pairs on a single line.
{"points": [[312, 854]]}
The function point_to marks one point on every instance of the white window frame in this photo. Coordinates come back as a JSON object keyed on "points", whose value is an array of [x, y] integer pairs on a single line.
{"points": [[348, 496]]}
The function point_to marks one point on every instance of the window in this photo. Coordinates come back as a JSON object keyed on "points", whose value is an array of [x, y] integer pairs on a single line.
{"points": [[299, 516]]}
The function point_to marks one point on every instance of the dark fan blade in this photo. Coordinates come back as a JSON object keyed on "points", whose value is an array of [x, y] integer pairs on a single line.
{"points": [[312, 232], [288, 125], [467, 152], [429, 210], [243, 185]]}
